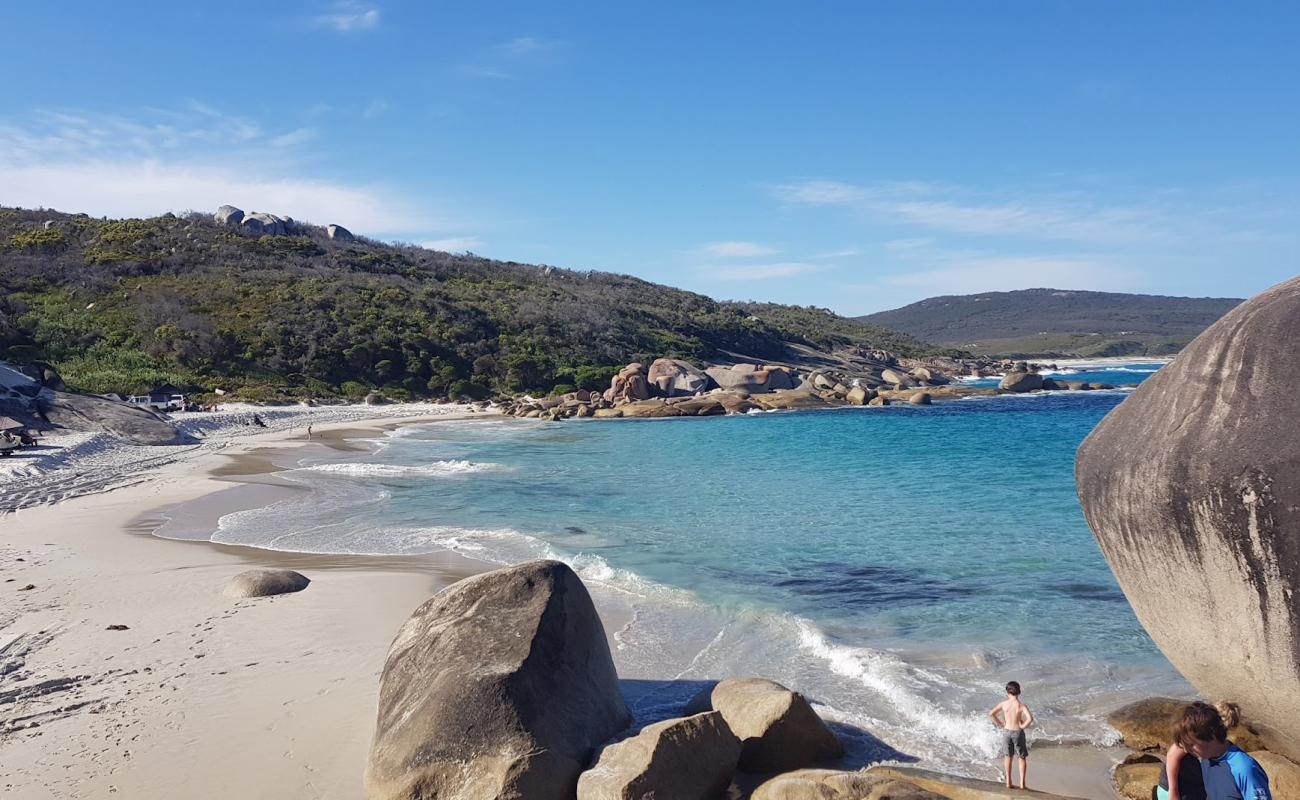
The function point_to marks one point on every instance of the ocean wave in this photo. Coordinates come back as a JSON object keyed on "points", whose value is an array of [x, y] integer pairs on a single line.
{"points": [[901, 685], [436, 469]]}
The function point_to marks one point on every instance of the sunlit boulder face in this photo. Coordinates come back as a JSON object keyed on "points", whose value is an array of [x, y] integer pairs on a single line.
{"points": [[1192, 488]]}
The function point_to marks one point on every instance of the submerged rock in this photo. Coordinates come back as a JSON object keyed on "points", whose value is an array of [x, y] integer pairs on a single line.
{"points": [[501, 686], [684, 759], [1192, 488]]}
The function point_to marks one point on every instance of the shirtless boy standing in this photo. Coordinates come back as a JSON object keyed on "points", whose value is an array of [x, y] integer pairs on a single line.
{"points": [[1013, 716]]}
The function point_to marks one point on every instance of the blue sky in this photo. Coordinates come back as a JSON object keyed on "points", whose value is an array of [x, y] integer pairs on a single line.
{"points": [[851, 155]]}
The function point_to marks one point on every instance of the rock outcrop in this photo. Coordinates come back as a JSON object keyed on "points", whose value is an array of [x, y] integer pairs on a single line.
{"points": [[672, 377], [1193, 482], [338, 232], [957, 788], [900, 380], [921, 399], [753, 378], [1139, 772], [691, 758], [265, 583], [1283, 774], [229, 216], [1021, 382], [777, 728], [500, 686], [80, 412], [1145, 724], [828, 784], [259, 223]]}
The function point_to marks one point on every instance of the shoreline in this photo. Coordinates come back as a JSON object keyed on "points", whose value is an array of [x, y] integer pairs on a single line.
{"points": [[341, 626]]}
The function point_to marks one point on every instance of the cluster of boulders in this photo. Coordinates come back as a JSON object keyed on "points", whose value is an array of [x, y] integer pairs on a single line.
{"points": [[259, 223], [1020, 382], [1144, 726], [502, 686], [670, 387]]}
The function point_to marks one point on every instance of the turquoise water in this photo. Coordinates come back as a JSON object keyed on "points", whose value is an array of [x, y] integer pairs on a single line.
{"points": [[898, 564]]}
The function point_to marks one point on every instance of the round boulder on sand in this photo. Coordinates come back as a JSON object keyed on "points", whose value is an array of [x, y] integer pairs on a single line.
{"points": [[827, 784], [777, 728], [1137, 774], [684, 759], [1193, 482], [266, 582], [501, 686]]}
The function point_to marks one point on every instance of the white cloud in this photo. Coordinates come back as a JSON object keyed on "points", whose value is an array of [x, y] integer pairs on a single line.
{"points": [[949, 209], [456, 244], [758, 272], [144, 189], [348, 17], [501, 61], [737, 250], [194, 158]]}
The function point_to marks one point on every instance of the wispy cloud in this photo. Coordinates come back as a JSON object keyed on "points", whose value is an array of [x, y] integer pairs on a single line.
{"points": [[737, 250], [190, 158], [949, 209], [762, 272], [348, 17], [506, 59]]}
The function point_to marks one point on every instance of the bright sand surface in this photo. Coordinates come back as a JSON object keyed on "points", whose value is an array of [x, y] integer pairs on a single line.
{"points": [[205, 696]]}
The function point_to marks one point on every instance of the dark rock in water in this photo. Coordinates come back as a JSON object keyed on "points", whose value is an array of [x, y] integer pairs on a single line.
{"points": [[1078, 386], [1022, 382], [921, 399], [1192, 488], [777, 728], [266, 582], [829, 784], [133, 424], [501, 686], [685, 759]]}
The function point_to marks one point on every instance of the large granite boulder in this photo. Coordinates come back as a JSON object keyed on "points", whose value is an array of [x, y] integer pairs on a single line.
{"points": [[788, 399], [752, 378], [777, 728], [133, 424], [501, 686], [257, 222], [338, 232], [229, 216], [829, 784], [1192, 488], [684, 759], [673, 377], [921, 399], [899, 379], [859, 395], [265, 583], [1021, 382]]}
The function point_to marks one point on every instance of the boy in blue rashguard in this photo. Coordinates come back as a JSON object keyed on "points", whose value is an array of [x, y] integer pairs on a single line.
{"points": [[1228, 773]]}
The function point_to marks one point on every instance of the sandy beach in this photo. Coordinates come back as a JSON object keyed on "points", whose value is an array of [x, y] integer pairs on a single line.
{"points": [[204, 696]]}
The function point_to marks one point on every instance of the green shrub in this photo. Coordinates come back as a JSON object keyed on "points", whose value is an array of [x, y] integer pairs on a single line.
{"points": [[36, 239], [353, 390]]}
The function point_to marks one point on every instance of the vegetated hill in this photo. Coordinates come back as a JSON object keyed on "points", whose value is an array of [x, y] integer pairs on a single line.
{"points": [[120, 305], [1055, 322]]}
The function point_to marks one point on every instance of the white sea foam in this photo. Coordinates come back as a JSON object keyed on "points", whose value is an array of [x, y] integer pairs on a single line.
{"points": [[900, 685], [436, 469]]}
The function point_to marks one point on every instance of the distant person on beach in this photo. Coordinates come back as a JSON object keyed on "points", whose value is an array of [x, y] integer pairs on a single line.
{"points": [[1013, 716], [1227, 772], [308, 431]]}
